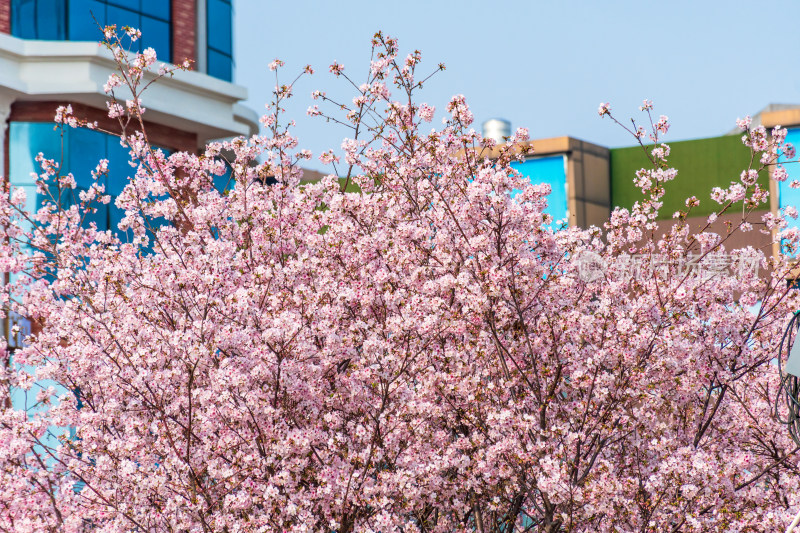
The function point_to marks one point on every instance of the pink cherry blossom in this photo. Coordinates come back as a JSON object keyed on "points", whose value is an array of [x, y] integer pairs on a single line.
{"points": [[404, 346]]}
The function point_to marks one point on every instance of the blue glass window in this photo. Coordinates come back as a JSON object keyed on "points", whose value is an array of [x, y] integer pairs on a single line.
{"points": [[152, 17], [82, 20], [224, 183], [788, 196], [39, 19], [82, 150], [78, 151], [553, 171], [132, 5], [219, 30], [158, 37]]}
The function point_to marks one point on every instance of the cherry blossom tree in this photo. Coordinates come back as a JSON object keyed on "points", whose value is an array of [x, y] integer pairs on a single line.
{"points": [[407, 344]]}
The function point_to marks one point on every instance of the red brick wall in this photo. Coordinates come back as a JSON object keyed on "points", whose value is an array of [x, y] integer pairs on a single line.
{"points": [[184, 22], [157, 134], [5, 16]]}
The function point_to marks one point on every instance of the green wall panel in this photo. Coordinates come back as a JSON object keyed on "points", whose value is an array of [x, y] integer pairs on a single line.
{"points": [[702, 165]]}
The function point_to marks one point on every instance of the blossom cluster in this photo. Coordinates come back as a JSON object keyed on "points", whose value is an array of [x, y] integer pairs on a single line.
{"points": [[404, 345]]}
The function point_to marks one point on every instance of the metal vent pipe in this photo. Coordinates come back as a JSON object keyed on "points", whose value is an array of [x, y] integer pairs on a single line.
{"points": [[496, 129]]}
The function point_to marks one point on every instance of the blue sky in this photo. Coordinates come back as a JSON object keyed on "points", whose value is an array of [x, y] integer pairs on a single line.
{"points": [[542, 65]]}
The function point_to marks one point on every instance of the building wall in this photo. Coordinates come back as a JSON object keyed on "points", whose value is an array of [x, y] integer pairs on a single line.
{"points": [[184, 24], [783, 194], [585, 178], [5, 16], [702, 165], [190, 33], [735, 240], [42, 113], [158, 134], [588, 179], [37, 75], [576, 170], [44, 65]]}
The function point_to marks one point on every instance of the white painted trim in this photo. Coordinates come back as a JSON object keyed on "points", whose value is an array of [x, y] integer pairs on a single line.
{"points": [[77, 71], [246, 116]]}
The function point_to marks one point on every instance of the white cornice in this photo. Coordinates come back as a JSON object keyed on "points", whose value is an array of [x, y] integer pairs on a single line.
{"points": [[77, 71]]}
